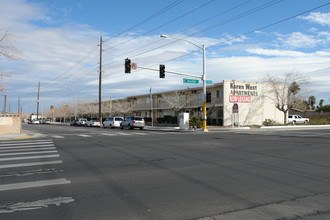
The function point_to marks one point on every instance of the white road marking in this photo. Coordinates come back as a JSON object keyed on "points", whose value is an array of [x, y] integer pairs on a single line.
{"points": [[25, 153], [57, 136], [27, 149], [24, 185], [84, 135], [17, 143], [29, 157], [36, 146], [29, 141], [122, 133], [30, 172], [107, 134], [30, 164], [137, 133], [23, 206]]}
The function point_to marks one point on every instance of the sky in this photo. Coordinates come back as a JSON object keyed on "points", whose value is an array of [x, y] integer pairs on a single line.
{"points": [[58, 44]]}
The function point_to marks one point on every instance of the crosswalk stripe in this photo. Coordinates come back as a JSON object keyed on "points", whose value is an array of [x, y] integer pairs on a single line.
{"points": [[33, 184], [15, 144], [30, 164], [27, 149], [24, 146], [29, 141], [25, 153], [29, 157]]}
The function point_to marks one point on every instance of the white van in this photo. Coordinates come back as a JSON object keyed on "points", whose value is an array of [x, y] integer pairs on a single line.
{"points": [[112, 122]]}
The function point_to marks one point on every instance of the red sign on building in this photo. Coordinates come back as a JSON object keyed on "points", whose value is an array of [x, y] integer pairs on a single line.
{"points": [[240, 99]]}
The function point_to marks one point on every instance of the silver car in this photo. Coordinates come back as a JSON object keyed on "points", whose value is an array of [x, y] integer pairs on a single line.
{"points": [[112, 122], [132, 122]]}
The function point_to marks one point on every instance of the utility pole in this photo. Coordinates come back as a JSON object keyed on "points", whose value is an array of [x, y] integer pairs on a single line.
{"points": [[100, 84], [18, 105], [4, 104], [38, 100]]}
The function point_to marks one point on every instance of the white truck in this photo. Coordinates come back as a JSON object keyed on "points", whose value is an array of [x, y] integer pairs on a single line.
{"points": [[293, 119]]}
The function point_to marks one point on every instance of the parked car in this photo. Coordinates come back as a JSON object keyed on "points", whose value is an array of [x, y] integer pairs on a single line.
{"points": [[132, 122], [297, 119], [82, 122], [93, 123], [34, 121], [74, 123], [44, 121], [112, 122]]}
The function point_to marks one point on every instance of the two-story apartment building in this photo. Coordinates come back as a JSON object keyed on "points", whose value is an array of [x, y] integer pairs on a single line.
{"points": [[231, 103]]}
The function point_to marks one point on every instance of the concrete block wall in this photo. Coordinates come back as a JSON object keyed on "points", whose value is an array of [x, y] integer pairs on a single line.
{"points": [[10, 124]]}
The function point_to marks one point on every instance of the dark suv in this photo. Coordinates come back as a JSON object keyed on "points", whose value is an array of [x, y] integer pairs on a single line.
{"points": [[132, 122]]}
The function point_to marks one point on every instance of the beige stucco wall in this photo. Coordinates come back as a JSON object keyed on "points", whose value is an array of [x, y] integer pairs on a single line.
{"points": [[255, 104], [10, 124]]}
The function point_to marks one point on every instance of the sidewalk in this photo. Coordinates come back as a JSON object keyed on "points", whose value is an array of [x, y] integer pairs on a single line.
{"points": [[23, 135]]}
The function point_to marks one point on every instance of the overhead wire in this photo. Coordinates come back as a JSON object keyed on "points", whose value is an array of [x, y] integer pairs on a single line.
{"points": [[161, 11]]}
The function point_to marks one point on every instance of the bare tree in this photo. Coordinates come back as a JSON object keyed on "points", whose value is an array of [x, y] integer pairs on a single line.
{"points": [[123, 106], [285, 91], [8, 51], [176, 101]]}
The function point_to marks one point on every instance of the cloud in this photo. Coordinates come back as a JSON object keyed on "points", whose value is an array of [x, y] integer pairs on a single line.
{"points": [[318, 17], [298, 40]]}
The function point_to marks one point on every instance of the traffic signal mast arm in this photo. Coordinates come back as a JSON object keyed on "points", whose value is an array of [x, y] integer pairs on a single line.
{"points": [[172, 72]]}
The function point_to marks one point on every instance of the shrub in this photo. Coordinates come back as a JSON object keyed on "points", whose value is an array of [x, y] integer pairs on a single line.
{"points": [[269, 122], [195, 122]]}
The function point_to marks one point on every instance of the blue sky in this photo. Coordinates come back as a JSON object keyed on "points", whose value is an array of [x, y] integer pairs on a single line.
{"points": [[58, 45]]}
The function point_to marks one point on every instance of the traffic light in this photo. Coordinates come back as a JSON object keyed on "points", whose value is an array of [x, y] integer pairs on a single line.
{"points": [[127, 65], [208, 97], [161, 71]]}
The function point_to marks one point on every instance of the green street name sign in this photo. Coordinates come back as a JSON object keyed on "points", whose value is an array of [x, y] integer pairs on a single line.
{"points": [[191, 81], [209, 81]]}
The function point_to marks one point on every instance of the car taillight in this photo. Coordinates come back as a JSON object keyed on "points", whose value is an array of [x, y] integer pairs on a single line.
{"points": [[134, 121]]}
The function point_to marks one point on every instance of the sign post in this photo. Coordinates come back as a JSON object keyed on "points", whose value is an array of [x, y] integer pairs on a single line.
{"points": [[235, 115]]}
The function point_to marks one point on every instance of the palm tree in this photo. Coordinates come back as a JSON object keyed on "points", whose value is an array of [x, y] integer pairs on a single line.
{"points": [[294, 88], [311, 102]]}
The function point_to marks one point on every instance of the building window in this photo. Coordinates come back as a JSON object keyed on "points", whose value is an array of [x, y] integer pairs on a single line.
{"points": [[219, 93], [200, 96]]}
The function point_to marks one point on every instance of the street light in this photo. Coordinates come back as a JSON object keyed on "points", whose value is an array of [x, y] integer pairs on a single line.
{"points": [[203, 76]]}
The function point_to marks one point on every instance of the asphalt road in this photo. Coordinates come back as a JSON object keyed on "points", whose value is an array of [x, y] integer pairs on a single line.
{"points": [[93, 173]]}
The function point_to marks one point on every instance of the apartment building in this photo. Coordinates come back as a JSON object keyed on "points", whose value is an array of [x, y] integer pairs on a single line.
{"points": [[230, 102]]}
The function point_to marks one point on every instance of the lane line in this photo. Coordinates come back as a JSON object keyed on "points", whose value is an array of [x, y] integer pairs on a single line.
{"points": [[30, 157], [84, 135], [107, 134], [33, 184], [57, 136], [137, 133], [30, 164], [25, 153], [124, 134]]}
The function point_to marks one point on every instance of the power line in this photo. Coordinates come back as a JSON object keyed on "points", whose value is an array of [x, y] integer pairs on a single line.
{"points": [[161, 11]]}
